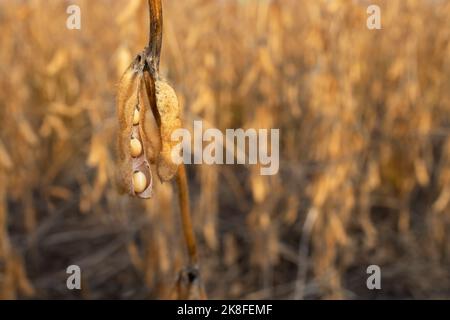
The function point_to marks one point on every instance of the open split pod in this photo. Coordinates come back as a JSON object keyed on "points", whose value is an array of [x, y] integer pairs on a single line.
{"points": [[135, 150], [141, 92]]}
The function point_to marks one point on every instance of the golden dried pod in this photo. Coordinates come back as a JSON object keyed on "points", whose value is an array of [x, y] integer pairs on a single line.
{"points": [[169, 112], [136, 117], [127, 99], [139, 182], [166, 99], [135, 151], [126, 102], [135, 147]]}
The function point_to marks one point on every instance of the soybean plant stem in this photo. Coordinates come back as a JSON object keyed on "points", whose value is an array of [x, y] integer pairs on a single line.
{"points": [[186, 215], [156, 31]]}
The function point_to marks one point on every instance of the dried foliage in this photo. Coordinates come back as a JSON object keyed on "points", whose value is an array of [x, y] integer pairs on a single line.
{"points": [[365, 149]]}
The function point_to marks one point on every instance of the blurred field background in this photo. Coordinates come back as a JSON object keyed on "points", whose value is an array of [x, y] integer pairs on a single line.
{"points": [[365, 149]]}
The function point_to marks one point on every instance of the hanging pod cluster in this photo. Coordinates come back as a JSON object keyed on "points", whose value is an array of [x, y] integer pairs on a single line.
{"points": [[141, 92]]}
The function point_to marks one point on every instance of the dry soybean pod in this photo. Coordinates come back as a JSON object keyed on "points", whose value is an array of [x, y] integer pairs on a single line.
{"points": [[169, 113], [126, 104], [134, 148]]}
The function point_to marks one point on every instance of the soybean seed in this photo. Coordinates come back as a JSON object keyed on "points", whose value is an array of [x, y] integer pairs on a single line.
{"points": [[139, 182], [135, 147], [136, 117]]}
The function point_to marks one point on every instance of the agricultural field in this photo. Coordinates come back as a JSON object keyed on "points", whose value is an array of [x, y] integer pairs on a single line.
{"points": [[364, 150]]}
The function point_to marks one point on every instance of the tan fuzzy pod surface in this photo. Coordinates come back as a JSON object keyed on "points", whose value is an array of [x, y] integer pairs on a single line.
{"points": [[169, 113], [126, 102], [131, 98], [150, 140]]}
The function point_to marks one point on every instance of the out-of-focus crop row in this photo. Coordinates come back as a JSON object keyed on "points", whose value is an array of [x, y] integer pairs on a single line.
{"points": [[364, 119]]}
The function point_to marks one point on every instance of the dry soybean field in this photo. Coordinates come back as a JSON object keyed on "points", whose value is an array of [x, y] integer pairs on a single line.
{"points": [[363, 179]]}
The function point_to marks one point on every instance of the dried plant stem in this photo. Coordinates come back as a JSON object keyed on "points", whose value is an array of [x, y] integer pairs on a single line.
{"points": [[188, 284], [156, 31], [185, 211]]}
